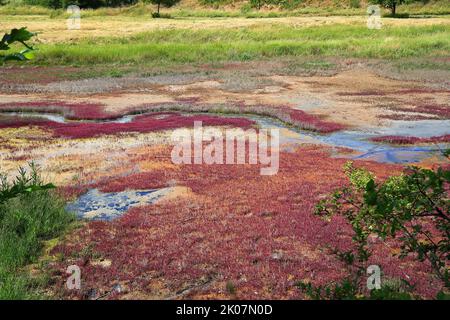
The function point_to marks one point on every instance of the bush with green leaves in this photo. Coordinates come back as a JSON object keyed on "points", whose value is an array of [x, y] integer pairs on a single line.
{"points": [[413, 208], [21, 36], [30, 212]]}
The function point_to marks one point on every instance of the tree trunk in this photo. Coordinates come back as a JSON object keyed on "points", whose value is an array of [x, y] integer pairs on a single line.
{"points": [[159, 4], [394, 7]]}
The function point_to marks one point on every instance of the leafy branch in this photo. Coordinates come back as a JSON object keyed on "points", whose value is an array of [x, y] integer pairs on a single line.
{"points": [[413, 207], [21, 36]]}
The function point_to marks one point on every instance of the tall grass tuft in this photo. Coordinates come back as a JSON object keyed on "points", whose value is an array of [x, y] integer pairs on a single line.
{"points": [[25, 222]]}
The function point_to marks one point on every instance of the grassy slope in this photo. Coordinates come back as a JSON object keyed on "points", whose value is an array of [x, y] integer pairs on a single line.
{"points": [[252, 43]]}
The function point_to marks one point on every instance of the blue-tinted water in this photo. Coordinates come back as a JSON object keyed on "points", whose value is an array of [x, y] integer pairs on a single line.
{"points": [[359, 141], [96, 205]]}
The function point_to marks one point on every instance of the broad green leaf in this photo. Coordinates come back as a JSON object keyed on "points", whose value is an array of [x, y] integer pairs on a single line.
{"points": [[27, 54], [20, 35]]}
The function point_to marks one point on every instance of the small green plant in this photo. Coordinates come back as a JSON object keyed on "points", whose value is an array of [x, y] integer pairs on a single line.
{"points": [[23, 184], [231, 288], [21, 36], [347, 289]]}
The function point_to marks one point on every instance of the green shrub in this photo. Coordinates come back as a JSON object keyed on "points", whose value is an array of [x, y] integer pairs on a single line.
{"points": [[402, 208], [30, 213]]}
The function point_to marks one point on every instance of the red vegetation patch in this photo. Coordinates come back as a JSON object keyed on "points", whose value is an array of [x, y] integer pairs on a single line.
{"points": [[411, 140], [143, 123], [419, 91], [295, 117], [96, 111], [256, 232], [308, 121], [442, 111], [362, 93], [420, 112]]}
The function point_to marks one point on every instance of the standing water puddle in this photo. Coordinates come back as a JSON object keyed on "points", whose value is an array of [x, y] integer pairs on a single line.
{"points": [[96, 205], [359, 141]]}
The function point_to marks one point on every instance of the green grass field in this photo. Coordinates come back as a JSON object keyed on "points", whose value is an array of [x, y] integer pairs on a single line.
{"points": [[161, 47]]}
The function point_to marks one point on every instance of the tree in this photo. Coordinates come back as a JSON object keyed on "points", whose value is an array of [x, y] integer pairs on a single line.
{"points": [[165, 3], [390, 4]]}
